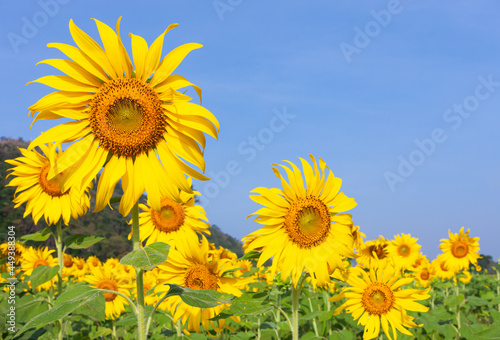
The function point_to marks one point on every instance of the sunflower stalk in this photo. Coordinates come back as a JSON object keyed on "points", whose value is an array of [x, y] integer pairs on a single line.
{"points": [[295, 308], [315, 325], [141, 315], [60, 260]]}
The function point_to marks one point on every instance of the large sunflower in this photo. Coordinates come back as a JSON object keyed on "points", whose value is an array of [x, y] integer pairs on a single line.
{"points": [[129, 119], [376, 298], [460, 250], [303, 227], [174, 220], [103, 277], [404, 250], [32, 258], [42, 193], [189, 265]]}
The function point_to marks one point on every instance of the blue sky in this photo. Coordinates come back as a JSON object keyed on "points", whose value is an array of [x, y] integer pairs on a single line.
{"points": [[400, 98]]}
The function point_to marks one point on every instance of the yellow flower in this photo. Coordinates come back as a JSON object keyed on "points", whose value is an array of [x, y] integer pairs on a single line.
{"points": [[42, 193], [467, 278], [80, 268], [17, 248], [93, 261], [104, 278], [358, 236], [135, 124], [303, 228], [32, 258], [188, 265], [173, 221], [68, 266], [373, 253], [441, 268], [376, 299], [424, 274], [404, 249], [460, 250]]}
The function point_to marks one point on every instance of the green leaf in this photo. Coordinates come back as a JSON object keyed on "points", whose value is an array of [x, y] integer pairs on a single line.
{"points": [[39, 236], [58, 311], [199, 298], [42, 274], [27, 307], [476, 301], [247, 304], [95, 309], [252, 254], [148, 257], [100, 333], [81, 241]]}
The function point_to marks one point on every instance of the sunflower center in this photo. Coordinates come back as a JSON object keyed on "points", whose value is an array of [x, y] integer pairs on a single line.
{"points": [[200, 277], [40, 262], [443, 267], [126, 117], [307, 222], [378, 250], [68, 262], [377, 298], [108, 285], [50, 187], [460, 249], [95, 262], [404, 250], [424, 275], [79, 266], [170, 218]]}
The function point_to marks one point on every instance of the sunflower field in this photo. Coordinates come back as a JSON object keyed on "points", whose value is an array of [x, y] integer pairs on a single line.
{"points": [[308, 272]]}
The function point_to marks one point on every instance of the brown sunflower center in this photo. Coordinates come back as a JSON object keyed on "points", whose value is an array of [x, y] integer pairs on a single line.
{"points": [[307, 222], [377, 298], [50, 187], [170, 218], [200, 277], [404, 250], [378, 250], [443, 267], [126, 117], [108, 285], [95, 262], [460, 249], [79, 265], [68, 262], [40, 262], [424, 274]]}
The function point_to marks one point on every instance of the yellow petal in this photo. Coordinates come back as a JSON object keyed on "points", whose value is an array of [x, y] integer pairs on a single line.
{"points": [[139, 51], [67, 132], [73, 70], [112, 47], [171, 61], [154, 54], [91, 48]]}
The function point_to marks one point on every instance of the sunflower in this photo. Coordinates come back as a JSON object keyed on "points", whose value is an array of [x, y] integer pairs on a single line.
{"points": [[424, 274], [174, 220], [358, 236], [303, 227], [441, 268], [460, 250], [404, 249], [135, 124], [373, 253], [104, 278], [80, 268], [188, 265], [93, 261], [376, 298], [16, 247], [32, 258], [43, 193], [68, 266]]}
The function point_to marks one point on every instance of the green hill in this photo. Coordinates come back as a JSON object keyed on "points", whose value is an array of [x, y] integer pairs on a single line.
{"points": [[107, 223]]}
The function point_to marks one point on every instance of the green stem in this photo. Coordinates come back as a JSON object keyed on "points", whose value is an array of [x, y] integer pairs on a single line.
{"points": [[498, 286], [326, 298], [457, 292], [60, 261], [286, 316], [315, 325], [141, 316], [295, 308], [178, 327]]}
